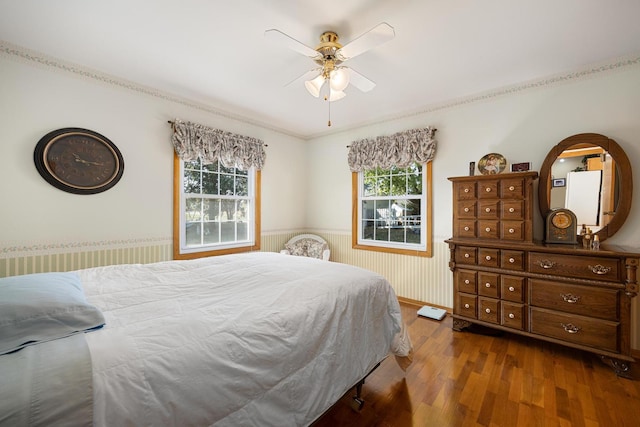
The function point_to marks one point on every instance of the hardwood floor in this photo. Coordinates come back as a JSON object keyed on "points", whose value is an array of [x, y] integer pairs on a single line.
{"points": [[469, 379]]}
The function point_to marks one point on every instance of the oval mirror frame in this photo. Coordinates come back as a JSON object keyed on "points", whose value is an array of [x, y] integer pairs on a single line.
{"points": [[624, 172]]}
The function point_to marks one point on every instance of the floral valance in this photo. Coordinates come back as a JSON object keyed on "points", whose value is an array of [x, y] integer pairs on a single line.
{"points": [[192, 141], [400, 149]]}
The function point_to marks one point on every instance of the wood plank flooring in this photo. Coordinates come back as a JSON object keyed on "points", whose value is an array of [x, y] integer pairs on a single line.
{"points": [[469, 379]]}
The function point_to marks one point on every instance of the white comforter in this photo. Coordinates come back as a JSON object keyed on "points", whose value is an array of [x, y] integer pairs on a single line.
{"points": [[259, 339]]}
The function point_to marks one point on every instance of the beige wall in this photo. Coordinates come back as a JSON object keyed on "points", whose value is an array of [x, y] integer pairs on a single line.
{"points": [[306, 184]]}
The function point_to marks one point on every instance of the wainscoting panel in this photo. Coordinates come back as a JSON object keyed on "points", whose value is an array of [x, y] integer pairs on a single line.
{"points": [[427, 280], [48, 258], [422, 279]]}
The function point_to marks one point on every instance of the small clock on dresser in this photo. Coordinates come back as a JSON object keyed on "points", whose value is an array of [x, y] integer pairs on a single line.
{"points": [[561, 226], [78, 161]]}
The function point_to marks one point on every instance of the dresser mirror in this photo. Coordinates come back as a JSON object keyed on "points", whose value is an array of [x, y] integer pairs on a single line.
{"points": [[589, 174]]}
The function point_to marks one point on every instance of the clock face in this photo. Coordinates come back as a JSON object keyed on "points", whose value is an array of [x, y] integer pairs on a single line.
{"points": [[78, 161], [561, 220]]}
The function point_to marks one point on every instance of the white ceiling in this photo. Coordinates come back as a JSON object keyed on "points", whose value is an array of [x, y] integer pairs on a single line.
{"points": [[214, 52]]}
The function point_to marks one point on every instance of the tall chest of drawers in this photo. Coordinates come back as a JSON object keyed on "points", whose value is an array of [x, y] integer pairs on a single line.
{"points": [[559, 293]]}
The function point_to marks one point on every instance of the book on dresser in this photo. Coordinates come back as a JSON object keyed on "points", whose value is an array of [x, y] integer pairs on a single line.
{"points": [[504, 279]]}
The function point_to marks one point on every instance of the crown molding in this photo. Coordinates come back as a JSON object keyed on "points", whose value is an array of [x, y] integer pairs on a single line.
{"points": [[591, 71], [46, 61]]}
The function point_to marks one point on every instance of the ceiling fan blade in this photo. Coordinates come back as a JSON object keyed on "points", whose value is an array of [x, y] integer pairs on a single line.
{"points": [[281, 38], [358, 80], [379, 34], [309, 75]]}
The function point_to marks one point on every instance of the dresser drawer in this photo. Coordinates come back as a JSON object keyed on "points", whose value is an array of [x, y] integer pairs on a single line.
{"points": [[488, 229], [575, 329], [488, 257], [467, 209], [489, 189], [464, 190], [512, 230], [585, 300], [489, 209], [489, 310], [465, 281], [586, 267], [489, 284], [512, 210], [512, 315], [465, 255], [466, 228], [466, 305], [512, 288], [512, 188], [512, 260]]}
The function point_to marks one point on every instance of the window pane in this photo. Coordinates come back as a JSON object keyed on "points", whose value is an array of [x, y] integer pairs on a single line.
{"points": [[242, 211], [383, 185], [193, 209], [192, 233], [212, 209], [226, 184], [228, 231], [209, 183], [368, 209], [383, 214], [369, 186], [242, 185], [191, 181], [211, 234]]}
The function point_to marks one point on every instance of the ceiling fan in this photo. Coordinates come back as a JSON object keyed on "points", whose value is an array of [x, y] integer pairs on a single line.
{"points": [[330, 55]]}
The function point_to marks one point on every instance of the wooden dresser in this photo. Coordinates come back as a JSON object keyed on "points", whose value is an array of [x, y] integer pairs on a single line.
{"points": [[559, 293]]}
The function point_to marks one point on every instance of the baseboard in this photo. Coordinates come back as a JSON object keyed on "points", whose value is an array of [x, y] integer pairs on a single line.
{"points": [[419, 304]]}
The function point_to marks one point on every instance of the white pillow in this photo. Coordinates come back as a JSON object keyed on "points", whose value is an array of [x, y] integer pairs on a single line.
{"points": [[42, 307]]}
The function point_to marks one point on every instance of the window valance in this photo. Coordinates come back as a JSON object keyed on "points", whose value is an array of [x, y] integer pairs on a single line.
{"points": [[192, 141], [400, 149]]}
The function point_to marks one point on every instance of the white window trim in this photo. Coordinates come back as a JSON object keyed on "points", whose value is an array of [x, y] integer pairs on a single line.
{"points": [[250, 242], [394, 245]]}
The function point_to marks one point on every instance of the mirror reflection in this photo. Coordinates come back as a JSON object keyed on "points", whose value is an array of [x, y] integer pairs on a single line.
{"points": [[584, 180]]}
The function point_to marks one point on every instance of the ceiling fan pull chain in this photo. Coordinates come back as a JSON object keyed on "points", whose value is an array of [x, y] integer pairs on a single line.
{"points": [[327, 99]]}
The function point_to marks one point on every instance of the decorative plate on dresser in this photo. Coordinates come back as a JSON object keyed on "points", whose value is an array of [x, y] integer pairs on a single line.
{"points": [[564, 294]]}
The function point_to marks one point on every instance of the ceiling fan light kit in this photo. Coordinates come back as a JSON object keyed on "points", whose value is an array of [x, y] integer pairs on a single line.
{"points": [[329, 54]]}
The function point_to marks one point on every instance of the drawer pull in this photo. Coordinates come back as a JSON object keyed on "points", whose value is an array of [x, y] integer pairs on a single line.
{"points": [[487, 310], [512, 289], [488, 190], [487, 210], [599, 269], [487, 285], [488, 257], [570, 298], [571, 328], [466, 306], [467, 256], [466, 228], [466, 281], [488, 229], [546, 264], [511, 188], [512, 316], [511, 230], [466, 209], [512, 260], [466, 190], [512, 210]]}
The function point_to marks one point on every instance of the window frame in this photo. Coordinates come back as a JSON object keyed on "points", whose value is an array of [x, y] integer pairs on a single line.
{"points": [[388, 247], [178, 203]]}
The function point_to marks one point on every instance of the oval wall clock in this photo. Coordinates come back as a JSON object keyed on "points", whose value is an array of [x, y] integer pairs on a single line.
{"points": [[78, 161]]}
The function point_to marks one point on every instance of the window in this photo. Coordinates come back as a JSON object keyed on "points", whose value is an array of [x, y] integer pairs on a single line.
{"points": [[216, 209], [392, 209]]}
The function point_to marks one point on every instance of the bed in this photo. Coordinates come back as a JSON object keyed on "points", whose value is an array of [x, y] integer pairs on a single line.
{"points": [[256, 339]]}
